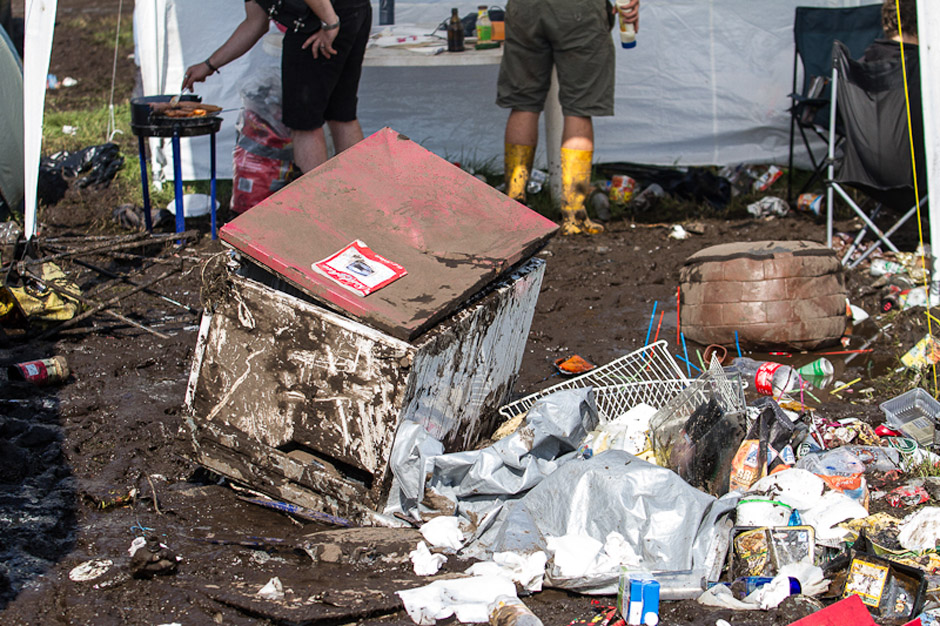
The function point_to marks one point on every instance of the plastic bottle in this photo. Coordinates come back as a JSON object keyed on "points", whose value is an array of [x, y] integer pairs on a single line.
{"points": [[484, 25], [455, 32], [627, 29], [770, 379], [510, 611]]}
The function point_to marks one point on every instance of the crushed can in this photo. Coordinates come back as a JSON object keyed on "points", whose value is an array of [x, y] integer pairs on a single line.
{"points": [[40, 372], [621, 188]]}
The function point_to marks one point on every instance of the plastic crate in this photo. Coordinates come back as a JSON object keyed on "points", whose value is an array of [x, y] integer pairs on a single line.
{"points": [[915, 413], [649, 375]]}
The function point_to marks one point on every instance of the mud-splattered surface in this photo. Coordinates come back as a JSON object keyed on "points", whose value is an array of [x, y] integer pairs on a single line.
{"points": [[88, 465]]}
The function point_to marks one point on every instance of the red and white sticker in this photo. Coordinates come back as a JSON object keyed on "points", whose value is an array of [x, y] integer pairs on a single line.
{"points": [[358, 269]]}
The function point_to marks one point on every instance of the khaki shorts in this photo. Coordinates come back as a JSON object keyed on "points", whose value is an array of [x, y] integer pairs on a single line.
{"points": [[573, 35]]}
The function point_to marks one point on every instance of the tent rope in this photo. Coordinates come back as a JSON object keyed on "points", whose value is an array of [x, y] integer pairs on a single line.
{"points": [[112, 125], [920, 224]]}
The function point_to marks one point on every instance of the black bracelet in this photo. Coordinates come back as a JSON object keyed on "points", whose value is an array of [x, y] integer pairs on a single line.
{"points": [[333, 26], [212, 69]]}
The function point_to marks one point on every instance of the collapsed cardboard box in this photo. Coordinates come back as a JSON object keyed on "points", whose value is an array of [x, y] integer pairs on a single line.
{"points": [[298, 384]]}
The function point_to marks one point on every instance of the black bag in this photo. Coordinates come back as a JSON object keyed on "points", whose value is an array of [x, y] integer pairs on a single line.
{"points": [[296, 15]]}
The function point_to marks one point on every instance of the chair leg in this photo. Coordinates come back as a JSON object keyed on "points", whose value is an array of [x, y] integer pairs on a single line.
{"points": [[875, 245]]}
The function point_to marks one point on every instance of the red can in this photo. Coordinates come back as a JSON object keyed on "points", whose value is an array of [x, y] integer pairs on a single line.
{"points": [[40, 372]]}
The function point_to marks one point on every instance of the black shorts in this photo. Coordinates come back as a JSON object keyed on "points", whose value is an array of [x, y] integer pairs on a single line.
{"points": [[319, 90]]}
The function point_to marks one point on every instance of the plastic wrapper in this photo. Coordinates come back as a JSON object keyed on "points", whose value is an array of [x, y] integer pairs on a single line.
{"points": [[765, 450], [263, 154], [94, 166]]}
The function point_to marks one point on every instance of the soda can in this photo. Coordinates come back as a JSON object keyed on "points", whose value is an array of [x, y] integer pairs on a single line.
{"points": [[40, 372], [621, 188]]}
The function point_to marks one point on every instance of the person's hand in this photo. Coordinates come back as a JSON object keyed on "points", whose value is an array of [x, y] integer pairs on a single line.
{"points": [[630, 12], [321, 42], [195, 74]]}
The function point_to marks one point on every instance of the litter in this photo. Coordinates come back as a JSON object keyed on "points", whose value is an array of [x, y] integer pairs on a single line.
{"points": [[425, 563], [573, 365], [769, 206], [468, 599], [272, 590], [90, 570], [921, 530], [889, 589], [915, 413], [443, 532]]}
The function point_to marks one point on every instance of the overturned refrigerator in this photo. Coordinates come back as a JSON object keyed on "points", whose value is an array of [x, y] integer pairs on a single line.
{"points": [[385, 286]]}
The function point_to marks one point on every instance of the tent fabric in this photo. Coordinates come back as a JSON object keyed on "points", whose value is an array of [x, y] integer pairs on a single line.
{"points": [[11, 123], [707, 83], [39, 25]]}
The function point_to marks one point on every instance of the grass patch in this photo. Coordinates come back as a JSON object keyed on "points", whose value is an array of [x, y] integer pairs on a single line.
{"points": [[100, 31]]}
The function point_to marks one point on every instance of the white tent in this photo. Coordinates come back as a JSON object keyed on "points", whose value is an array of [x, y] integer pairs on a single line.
{"points": [[707, 84]]}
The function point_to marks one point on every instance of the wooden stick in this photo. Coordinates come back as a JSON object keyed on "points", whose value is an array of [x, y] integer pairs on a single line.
{"points": [[88, 301], [127, 280], [104, 305]]}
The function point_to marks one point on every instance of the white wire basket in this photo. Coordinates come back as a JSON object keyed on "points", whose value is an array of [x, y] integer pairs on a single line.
{"points": [[649, 375]]}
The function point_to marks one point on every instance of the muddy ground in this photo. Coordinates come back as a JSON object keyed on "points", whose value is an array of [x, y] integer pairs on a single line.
{"points": [[90, 464]]}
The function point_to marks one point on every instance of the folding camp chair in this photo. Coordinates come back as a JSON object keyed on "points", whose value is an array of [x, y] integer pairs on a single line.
{"points": [[814, 31], [869, 105]]}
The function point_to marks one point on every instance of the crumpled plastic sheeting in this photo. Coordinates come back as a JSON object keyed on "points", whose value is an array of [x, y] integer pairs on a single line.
{"points": [[466, 598], [921, 530], [527, 570], [830, 511], [480, 479], [670, 525]]}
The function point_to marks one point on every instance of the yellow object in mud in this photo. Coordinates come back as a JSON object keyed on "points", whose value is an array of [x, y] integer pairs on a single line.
{"points": [[575, 185], [517, 164], [43, 304]]}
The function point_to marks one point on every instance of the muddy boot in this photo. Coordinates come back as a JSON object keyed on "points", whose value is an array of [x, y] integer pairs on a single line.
{"points": [[575, 185], [518, 163]]}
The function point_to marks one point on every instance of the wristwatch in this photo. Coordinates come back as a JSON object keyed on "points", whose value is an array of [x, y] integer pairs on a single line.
{"points": [[332, 26]]}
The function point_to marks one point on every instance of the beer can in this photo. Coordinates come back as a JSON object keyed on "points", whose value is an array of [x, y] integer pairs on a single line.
{"points": [[621, 188], [40, 372]]}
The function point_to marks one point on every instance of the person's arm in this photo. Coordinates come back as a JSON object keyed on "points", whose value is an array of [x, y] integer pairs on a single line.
{"points": [[321, 42], [252, 28]]}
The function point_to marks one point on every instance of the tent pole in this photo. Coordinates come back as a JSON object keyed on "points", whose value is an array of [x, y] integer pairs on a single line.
{"points": [[928, 25]]}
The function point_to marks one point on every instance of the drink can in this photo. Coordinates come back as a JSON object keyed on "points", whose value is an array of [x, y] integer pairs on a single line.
{"points": [[40, 372], [621, 188]]}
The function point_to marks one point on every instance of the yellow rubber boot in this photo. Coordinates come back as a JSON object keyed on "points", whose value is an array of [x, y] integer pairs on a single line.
{"points": [[575, 185], [518, 163]]}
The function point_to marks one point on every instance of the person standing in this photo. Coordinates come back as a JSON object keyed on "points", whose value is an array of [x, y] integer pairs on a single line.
{"points": [[574, 37], [319, 73]]}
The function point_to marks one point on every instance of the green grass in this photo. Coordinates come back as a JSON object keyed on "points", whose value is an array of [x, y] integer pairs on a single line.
{"points": [[100, 30]]}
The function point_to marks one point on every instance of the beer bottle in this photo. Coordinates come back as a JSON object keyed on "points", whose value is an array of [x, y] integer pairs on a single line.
{"points": [[454, 32]]}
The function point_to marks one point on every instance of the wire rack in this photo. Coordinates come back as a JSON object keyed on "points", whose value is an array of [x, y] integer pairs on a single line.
{"points": [[649, 375]]}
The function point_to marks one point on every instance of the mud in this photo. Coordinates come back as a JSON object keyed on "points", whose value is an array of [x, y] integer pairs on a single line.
{"points": [[90, 464]]}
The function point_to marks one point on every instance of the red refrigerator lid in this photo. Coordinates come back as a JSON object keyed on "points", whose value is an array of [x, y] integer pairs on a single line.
{"points": [[452, 233]]}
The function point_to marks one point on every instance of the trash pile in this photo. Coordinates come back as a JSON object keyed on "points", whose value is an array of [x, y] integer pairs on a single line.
{"points": [[635, 480], [659, 503]]}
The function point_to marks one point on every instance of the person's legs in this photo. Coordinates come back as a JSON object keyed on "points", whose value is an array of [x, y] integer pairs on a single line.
{"points": [[522, 135], [345, 134], [577, 153], [309, 148]]}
